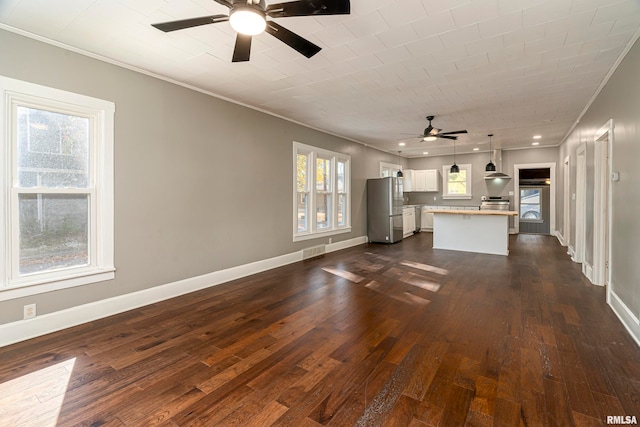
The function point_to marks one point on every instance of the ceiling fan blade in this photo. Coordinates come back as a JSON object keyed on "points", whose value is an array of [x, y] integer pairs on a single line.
{"points": [[298, 43], [242, 49], [447, 137], [309, 7], [227, 3], [453, 133], [189, 23]]}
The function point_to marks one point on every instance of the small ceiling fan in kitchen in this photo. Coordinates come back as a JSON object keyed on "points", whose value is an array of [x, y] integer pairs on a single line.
{"points": [[431, 134], [249, 18]]}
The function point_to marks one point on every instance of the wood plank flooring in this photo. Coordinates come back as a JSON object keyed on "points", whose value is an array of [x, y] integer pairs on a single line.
{"points": [[377, 335]]}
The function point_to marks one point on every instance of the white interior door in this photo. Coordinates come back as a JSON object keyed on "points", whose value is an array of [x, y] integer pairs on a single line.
{"points": [[566, 227], [581, 190]]}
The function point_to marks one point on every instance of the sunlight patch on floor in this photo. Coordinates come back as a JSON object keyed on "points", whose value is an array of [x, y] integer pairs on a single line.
{"points": [[403, 296], [420, 281], [35, 399], [426, 267], [344, 274]]}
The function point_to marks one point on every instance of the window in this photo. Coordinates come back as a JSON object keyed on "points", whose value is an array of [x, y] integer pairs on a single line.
{"points": [[389, 169], [530, 204], [57, 186], [322, 202], [456, 185]]}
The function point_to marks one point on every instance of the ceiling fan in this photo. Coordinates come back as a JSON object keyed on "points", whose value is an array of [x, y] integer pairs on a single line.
{"points": [[431, 134], [248, 18]]}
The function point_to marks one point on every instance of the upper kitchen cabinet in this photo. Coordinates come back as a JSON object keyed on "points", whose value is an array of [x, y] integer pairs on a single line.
{"points": [[408, 179], [422, 180]]}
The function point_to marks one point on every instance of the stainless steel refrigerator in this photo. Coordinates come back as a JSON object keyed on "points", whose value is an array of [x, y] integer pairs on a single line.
{"points": [[384, 210]]}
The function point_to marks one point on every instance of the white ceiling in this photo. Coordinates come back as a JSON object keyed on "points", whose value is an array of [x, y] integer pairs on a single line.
{"points": [[514, 68]]}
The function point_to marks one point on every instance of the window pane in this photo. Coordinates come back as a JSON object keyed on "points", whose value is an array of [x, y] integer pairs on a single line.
{"points": [[323, 174], [323, 211], [53, 231], [53, 149], [303, 212], [342, 210], [302, 167], [530, 203], [458, 177], [341, 177], [457, 188]]}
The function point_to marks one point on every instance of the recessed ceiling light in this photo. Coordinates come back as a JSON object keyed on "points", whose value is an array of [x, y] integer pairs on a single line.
{"points": [[425, 152], [537, 137], [402, 144], [476, 149], [535, 143]]}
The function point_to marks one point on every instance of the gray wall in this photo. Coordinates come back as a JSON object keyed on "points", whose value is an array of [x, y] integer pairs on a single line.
{"points": [[619, 100], [201, 184]]}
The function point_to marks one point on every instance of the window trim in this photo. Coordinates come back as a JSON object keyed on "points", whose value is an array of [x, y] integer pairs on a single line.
{"points": [[392, 167], [100, 189], [445, 183], [313, 232]]}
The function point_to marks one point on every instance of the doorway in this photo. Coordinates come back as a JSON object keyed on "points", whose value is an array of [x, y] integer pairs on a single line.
{"points": [[534, 194], [602, 207], [549, 185], [581, 209]]}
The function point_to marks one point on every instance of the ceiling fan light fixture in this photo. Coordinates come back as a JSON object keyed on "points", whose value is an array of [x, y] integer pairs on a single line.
{"points": [[429, 138], [247, 20]]}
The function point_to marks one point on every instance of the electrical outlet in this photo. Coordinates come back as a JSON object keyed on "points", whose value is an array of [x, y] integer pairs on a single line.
{"points": [[29, 311]]}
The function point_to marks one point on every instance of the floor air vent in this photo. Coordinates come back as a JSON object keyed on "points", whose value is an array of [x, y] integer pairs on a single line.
{"points": [[313, 251]]}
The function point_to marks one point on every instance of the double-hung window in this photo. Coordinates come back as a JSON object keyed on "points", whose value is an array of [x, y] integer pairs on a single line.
{"points": [[456, 185], [56, 179], [321, 192]]}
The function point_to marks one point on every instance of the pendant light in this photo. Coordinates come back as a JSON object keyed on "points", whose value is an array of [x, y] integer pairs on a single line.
{"points": [[399, 174], [454, 167], [490, 166]]}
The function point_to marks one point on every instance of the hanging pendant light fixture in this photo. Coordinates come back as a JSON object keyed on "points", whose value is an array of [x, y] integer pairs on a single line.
{"points": [[399, 174], [490, 166], [454, 167]]}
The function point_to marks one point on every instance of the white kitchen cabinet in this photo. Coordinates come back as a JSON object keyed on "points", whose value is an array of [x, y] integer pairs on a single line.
{"points": [[408, 221], [426, 217], [421, 180], [408, 180], [432, 180]]}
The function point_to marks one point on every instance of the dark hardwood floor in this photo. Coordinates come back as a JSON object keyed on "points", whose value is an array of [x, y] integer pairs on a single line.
{"points": [[397, 335]]}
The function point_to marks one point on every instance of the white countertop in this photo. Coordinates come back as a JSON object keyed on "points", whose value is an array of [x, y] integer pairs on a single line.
{"points": [[474, 212]]}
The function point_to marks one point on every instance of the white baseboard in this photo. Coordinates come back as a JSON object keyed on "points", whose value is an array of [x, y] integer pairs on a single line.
{"points": [[560, 238], [23, 330], [571, 252], [626, 316]]}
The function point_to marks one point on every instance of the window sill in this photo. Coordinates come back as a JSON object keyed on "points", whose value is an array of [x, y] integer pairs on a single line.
{"points": [[457, 197], [319, 234], [38, 286]]}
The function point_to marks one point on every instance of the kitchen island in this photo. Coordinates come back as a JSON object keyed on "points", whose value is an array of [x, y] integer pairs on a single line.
{"points": [[483, 231]]}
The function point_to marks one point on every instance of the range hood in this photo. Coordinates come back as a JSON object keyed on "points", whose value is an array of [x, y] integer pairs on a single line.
{"points": [[497, 158]]}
